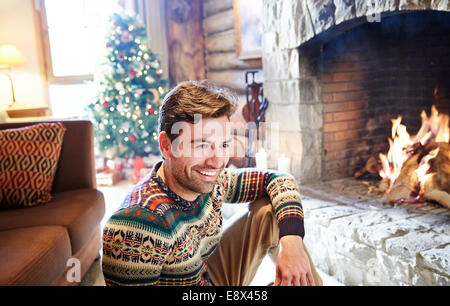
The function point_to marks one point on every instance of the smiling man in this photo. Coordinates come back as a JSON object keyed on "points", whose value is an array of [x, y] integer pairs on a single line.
{"points": [[168, 231]]}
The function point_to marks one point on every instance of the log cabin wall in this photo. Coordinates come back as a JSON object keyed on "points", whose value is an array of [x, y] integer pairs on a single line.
{"points": [[374, 73], [222, 64]]}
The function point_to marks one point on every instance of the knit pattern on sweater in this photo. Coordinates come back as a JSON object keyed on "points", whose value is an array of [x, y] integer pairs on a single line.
{"points": [[158, 238]]}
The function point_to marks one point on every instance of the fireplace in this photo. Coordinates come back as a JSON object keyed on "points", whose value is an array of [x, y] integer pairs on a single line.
{"points": [[374, 73], [335, 77]]}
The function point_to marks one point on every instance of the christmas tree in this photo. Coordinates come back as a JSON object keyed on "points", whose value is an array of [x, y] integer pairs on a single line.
{"points": [[125, 111]]}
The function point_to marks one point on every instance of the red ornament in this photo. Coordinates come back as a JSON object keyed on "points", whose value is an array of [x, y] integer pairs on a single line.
{"points": [[151, 111], [105, 103], [133, 72], [133, 138]]}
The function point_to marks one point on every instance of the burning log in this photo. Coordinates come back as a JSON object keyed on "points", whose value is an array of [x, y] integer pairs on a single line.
{"points": [[405, 184], [433, 193], [418, 167], [437, 188], [441, 165], [371, 167], [383, 187]]}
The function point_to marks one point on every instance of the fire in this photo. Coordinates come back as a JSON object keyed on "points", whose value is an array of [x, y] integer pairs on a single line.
{"points": [[424, 166], [433, 129]]}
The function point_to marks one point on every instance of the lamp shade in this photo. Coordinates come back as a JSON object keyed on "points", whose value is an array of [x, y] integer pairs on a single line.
{"points": [[10, 56]]}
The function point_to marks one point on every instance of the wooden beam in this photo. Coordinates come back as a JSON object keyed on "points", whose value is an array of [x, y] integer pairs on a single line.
{"points": [[185, 40]]}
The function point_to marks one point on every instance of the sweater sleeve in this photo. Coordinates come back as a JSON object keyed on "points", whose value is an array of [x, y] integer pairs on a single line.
{"points": [[133, 252], [246, 185]]}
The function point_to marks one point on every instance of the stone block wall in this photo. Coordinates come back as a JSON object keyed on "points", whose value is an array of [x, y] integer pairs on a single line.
{"points": [[291, 86]]}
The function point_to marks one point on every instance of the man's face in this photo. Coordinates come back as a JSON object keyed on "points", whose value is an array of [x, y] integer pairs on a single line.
{"points": [[199, 154]]}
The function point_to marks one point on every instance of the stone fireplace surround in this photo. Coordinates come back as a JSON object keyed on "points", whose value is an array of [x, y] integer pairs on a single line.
{"points": [[328, 86], [333, 95]]}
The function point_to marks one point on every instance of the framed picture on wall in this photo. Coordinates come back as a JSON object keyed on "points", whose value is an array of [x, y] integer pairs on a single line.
{"points": [[248, 28]]}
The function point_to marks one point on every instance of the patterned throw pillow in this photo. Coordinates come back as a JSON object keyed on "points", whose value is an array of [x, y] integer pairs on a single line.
{"points": [[28, 160]]}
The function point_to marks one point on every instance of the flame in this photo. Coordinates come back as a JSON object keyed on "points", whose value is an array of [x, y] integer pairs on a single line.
{"points": [[397, 155], [424, 166], [434, 128], [436, 125]]}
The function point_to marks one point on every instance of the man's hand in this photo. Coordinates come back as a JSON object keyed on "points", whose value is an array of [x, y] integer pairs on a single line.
{"points": [[293, 268]]}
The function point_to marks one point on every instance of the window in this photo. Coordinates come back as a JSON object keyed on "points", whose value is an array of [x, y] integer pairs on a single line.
{"points": [[74, 41], [248, 28]]}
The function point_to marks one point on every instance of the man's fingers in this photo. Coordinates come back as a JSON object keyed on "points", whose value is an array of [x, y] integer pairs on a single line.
{"points": [[296, 280], [277, 276], [303, 280], [310, 279], [287, 280], [277, 281]]}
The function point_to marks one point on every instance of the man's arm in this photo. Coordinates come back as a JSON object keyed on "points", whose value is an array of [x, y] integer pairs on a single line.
{"points": [[246, 185], [133, 252]]}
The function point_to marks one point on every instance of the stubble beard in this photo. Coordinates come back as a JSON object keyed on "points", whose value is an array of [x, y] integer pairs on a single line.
{"points": [[190, 182]]}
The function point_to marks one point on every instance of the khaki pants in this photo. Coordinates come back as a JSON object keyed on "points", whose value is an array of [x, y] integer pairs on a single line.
{"points": [[246, 240]]}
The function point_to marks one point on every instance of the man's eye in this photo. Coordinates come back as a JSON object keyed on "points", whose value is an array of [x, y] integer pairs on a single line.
{"points": [[226, 145]]}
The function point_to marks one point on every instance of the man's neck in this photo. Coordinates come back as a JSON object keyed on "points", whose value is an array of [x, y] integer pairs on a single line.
{"points": [[160, 173], [173, 185]]}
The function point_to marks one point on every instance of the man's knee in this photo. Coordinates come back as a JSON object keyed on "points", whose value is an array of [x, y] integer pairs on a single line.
{"points": [[262, 213], [262, 207]]}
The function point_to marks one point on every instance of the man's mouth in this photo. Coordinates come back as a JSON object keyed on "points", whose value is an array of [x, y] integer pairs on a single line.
{"points": [[208, 174]]}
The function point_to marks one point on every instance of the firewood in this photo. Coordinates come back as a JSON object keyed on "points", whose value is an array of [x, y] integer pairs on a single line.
{"points": [[437, 188], [441, 166], [417, 148], [384, 185], [372, 166], [433, 193], [406, 182]]}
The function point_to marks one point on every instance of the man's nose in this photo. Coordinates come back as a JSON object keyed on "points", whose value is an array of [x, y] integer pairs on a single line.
{"points": [[214, 161], [217, 158]]}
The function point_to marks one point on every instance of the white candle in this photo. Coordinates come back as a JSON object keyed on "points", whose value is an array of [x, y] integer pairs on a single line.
{"points": [[261, 159], [284, 164]]}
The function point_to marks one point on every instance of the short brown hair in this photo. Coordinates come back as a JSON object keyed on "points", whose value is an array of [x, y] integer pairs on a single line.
{"points": [[194, 97]]}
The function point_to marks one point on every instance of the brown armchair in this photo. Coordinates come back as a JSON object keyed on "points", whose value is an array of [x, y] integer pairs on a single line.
{"points": [[36, 243]]}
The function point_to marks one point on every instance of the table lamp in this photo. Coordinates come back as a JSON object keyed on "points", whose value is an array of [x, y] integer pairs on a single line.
{"points": [[10, 56]]}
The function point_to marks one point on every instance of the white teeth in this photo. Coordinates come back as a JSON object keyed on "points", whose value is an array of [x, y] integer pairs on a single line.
{"points": [[208, 173]]}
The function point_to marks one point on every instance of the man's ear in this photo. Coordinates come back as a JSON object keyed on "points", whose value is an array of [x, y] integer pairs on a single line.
{"points": [[165, 145]]}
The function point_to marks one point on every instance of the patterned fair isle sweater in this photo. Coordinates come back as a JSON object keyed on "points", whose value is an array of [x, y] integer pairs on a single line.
{"points": [[158, 238]]}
